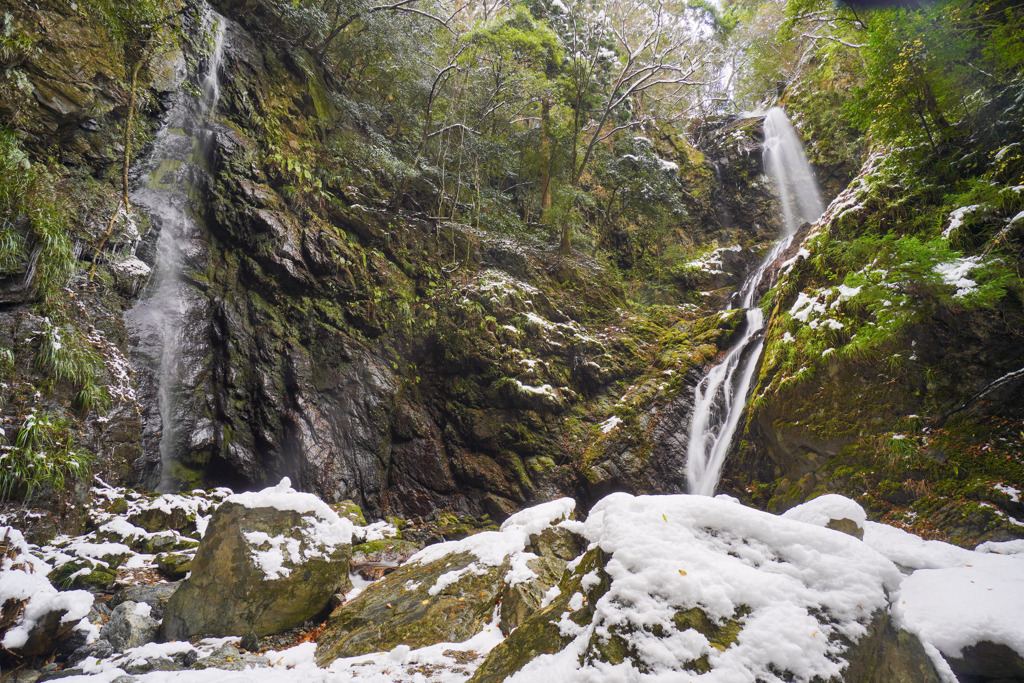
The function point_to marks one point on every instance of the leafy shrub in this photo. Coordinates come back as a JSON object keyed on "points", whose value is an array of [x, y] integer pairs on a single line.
{"points": [[43, 456], [67, 356], [33, 228]]}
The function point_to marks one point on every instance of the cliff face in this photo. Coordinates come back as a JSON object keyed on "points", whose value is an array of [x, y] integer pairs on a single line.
{"points": [[327, 334], [372, 351], [892, 370]]}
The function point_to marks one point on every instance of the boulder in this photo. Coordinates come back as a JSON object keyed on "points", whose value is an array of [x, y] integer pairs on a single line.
{"points": [[131, 625], [174, 566], [445, 593], [540, 633], [269, 561], [831, 511], [681, 586], [229, 658], [34, 616], [988, 661], [447, 600], [154, 595], [888, 654]]}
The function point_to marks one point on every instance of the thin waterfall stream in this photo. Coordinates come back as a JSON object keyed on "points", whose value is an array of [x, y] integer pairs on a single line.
{"points": [[721, 395], [159, 318]]}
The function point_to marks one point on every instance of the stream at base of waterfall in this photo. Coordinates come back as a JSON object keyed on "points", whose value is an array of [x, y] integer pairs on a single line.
{"points": [[721, 395]]}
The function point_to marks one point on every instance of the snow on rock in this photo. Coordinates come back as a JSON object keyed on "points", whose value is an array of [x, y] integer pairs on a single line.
{"points": [[712, 263], [1015, 547], [1011, 491], [269, 560], [611, 424], [955, 597], [957, 607], [830, 510], [48, 614], [795, 589], [492, 548], [533, 520]]}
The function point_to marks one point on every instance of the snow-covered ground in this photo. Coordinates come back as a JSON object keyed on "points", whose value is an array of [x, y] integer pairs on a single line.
{"points": [[776, 575]]}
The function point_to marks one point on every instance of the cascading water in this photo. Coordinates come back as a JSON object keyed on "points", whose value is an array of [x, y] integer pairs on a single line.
{"points": [[787, 165], [160, 319], [721, 395]]}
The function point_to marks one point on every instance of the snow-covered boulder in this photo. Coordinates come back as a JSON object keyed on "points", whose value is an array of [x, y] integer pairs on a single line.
{"points": [[677, 586], [447, 592], [34, 616], [964, 604], [269, 561], [831, 511]]}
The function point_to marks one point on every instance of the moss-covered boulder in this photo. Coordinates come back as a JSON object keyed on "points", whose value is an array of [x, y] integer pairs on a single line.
{"points": [[447, 592], [675, 586], [541, 633], [269, 561], [84, 573], [416, 605], [174, 566], [888, 654]]}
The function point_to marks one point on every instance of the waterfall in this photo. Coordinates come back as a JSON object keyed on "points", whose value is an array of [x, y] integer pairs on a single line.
{"points": [[787, 165], [161, 319], [722, 393]]}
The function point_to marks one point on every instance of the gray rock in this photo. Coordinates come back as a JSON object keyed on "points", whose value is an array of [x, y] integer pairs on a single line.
{"points": [[130, 626], [101, 649], [230, 593], [155, 595], [155, 664], [888, 654], [230, 658], [51, 675], [399, 609], [988, 661]]}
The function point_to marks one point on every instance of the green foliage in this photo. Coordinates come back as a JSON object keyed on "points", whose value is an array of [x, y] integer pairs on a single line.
{"points": [[135, 23], [637, 201], [14, 44], [66, 355], [43, 456], [33, 227]]}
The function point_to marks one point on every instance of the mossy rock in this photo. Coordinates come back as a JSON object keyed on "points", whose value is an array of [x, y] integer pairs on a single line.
{"points": [[384, 550], [154, 520], [540, 633], [399, 609], [351, 511], [93, 577], [522, 599], [174, 566], [233, 591], [167, 541], [888, 654]]}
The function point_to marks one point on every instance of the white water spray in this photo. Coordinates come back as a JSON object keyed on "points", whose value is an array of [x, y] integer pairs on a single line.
{"points": [[721, 395], [160, 319], [787, 165]]}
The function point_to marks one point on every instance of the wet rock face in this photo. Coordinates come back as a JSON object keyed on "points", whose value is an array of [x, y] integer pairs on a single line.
{"points": [[743, 195], [987, 661], [259, 570], [74, 95]]}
